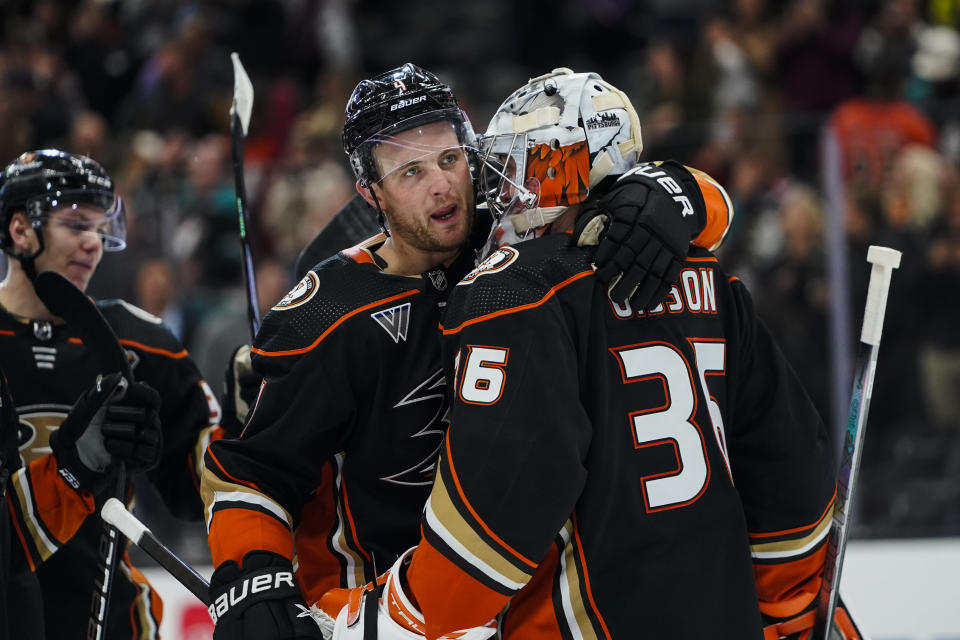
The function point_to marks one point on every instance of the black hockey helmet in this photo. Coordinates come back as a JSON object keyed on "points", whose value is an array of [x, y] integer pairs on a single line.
{"points": [[39, 183], [391, 103]]}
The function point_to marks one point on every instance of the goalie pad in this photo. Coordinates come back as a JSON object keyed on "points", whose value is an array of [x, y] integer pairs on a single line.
{"points": [[386, 606]]}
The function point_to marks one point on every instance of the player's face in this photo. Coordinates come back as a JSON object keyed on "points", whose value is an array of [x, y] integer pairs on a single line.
{"points": [[427, 190], [73, 244]]}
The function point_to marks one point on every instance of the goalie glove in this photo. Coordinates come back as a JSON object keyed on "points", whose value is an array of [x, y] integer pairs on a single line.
{"points": [[385, 607], [261, 601], [800, 627], [642, 229], [241, 386], [114, 421]]}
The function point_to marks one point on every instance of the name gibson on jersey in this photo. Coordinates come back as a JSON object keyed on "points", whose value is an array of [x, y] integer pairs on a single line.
{"points": [[694, 293]]}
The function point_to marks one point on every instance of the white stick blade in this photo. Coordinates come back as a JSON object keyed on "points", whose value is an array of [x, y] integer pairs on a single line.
{"points": [[884, 256], [114, 513], [242, 93]]}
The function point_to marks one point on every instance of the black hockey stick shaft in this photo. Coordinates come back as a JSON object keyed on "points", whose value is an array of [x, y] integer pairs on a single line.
{"points": [[71, 304], [239, 122], [884, 261], [116, 514]]}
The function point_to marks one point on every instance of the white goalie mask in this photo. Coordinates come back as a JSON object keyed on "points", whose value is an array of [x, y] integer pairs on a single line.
{"points": [[550, 142]]}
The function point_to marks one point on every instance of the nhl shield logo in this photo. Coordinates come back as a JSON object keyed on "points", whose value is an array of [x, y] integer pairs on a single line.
{"points": [[438, 278]]}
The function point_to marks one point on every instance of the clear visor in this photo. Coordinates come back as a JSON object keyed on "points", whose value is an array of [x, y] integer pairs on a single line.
{"points": [[93, 211], [503, 174], [409, 152]]}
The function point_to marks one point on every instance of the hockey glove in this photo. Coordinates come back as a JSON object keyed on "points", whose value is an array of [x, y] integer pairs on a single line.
{"points": [[259, 602], [800, 627], [241, 386], [642, 228], [112, 422], [386, 606]]}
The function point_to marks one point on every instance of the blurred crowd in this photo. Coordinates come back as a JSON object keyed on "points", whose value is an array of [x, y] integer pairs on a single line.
{"points": [[833, 124]]}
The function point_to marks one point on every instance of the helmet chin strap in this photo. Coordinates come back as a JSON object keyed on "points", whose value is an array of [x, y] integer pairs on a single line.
{"points": [[381, 216], [534, 218], [27, 262], [28, 266]]}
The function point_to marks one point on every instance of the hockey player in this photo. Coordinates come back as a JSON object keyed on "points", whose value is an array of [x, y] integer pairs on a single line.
{"points": [[48, 500], [59, 212], [339, 450], [609, 471]]}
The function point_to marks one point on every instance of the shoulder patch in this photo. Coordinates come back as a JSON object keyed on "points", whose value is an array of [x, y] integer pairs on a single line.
{"points": [[496, 261], [395, 321], [305, 289]]}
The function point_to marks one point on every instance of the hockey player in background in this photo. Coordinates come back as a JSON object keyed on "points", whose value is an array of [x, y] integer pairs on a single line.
{"points": [[339, 450], [48, 500], [609, 471], [59, 212]]}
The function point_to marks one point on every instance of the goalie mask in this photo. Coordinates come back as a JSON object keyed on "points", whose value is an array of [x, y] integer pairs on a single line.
{"points": [[54, 187], [550, 142]]}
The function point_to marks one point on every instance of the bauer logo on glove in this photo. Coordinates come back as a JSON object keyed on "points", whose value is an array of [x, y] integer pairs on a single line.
{"points": [[249, 586]]}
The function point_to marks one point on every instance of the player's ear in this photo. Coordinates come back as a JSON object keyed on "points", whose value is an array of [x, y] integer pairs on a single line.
{"points": [[365, 192], [22, 235]]}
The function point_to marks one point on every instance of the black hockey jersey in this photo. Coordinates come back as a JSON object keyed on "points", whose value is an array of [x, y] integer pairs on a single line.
{"points": [[40, 506], [610, 473], [341, 445], [48, 368]]}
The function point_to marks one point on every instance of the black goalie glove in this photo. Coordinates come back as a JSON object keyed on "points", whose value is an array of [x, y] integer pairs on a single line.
{"points": [[259, 602], [112, 422], [642, 228]]}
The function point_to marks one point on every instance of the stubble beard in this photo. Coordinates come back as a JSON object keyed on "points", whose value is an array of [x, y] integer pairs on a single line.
{"points": [[421, 237]]}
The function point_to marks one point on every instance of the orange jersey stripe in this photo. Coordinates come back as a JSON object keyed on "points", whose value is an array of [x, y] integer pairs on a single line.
{"points": [[234, 532], [449, 599], [245, 483], [341, 320], [140, 582], [702, 259], [353, 526], [16, 527], [4, 332], [828, 510], [476, 516], [553, 290], [586, 577], [176, 355], [360, 254]]}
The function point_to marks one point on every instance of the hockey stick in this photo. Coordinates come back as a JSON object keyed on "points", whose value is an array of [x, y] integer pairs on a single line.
{"points": [[884, 261], [116, 514], [65, 300], [240, 112]]}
